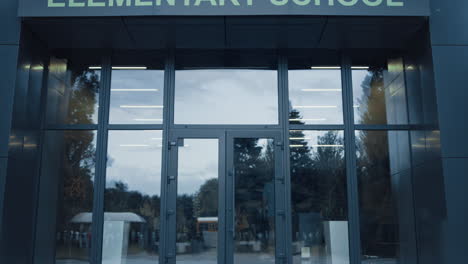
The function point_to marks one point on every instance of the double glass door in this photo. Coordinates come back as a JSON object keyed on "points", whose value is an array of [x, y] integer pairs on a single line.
{"points": [[225, 198]]}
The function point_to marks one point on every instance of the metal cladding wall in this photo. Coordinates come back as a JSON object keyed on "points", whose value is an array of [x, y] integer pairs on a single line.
{"points": [[449, 36], [9, 45]]}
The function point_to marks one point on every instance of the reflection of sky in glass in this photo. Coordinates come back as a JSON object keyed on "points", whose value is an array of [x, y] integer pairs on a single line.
{"points": [[226, 96], [317, 95], [134, 158], [136, 97], [198, 163], [360, 106]]}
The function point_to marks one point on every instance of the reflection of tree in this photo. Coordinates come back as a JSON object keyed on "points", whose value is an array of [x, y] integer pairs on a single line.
{"points": [[206, 199], [84, 88], [79, 166], [376, 199], [372, 101]]}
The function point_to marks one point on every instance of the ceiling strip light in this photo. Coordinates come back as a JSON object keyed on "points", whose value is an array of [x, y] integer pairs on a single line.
{"points": [[134, 145], [314, 106], [360, 67], [141, 106], [148, 119], [120, 67], [308, 119], [325, 67], [134, 90], [321, 90]]}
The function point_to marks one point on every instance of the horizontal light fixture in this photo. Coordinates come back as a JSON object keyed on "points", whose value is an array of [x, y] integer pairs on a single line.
{"points": [[356, 106], [307, 119], [317, 146], [134, 145], [148, 119], [321, 90], [120, 67], [360, 67], [325, 67], [314, 106], [134, 90], [141, 106], [299, 138]]}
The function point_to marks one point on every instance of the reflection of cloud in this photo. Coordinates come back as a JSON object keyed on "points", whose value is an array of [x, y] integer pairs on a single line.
{"points": [[226, 97]]}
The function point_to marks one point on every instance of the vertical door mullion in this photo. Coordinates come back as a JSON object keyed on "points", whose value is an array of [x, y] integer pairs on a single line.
{"points": [[280, 203], [284, 93], [171, 203], [230, 174], [101, 160], [222, 206], [350, 156]]}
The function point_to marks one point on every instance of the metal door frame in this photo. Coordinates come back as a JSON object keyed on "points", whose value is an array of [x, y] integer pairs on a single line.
{"points": [[279, 179]]}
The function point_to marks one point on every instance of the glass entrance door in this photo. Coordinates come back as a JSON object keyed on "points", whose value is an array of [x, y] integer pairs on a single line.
{"points": [[224, 202], [255, 198]]}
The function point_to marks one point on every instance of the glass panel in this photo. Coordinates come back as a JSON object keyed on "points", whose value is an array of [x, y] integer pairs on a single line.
{"points": [[66, 197], [197, 202], [385, 196], [136, 96], [226, 96], [73, 89], [132, 197], [379, 93], [318, 197], [315, 96], [254, 164]]}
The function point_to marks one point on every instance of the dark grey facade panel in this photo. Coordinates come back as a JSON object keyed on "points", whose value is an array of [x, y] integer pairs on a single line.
{"points": [[451, 77], [448, 22], [61, 8], [9, 23]]}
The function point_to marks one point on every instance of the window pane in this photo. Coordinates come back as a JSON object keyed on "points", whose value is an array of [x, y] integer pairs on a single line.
{"points": [[72, 92], [379, 93], [254, 195], [318, 196], [226, 96], [315, 96], [132, 197], [385, 197], [197, 202], [66, 197], [136, 96]]}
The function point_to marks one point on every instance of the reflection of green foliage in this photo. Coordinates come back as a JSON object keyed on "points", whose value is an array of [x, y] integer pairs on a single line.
{"points": [[79, 162], [206, 199], [85, 87], [373, 97]]}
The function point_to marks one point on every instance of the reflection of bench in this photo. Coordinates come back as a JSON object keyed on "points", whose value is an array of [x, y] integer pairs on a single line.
{"points": [[248, 246]]}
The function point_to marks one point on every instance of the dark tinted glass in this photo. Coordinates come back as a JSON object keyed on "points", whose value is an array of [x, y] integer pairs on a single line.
{"points": [[72, 92], [132, 197], [66, 197], [379, 93], [318, 196], [385, 198], [254, 195]]}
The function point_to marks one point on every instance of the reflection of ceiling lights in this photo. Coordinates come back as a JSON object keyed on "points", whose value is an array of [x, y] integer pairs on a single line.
{"points": [[360, 67], [307, 119], [300, 138], [120, 67], [314, 106], [327, 146], [321, 90], [148, 119], [134, 90], [134, 145], [141, 106], [325, 67]]}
